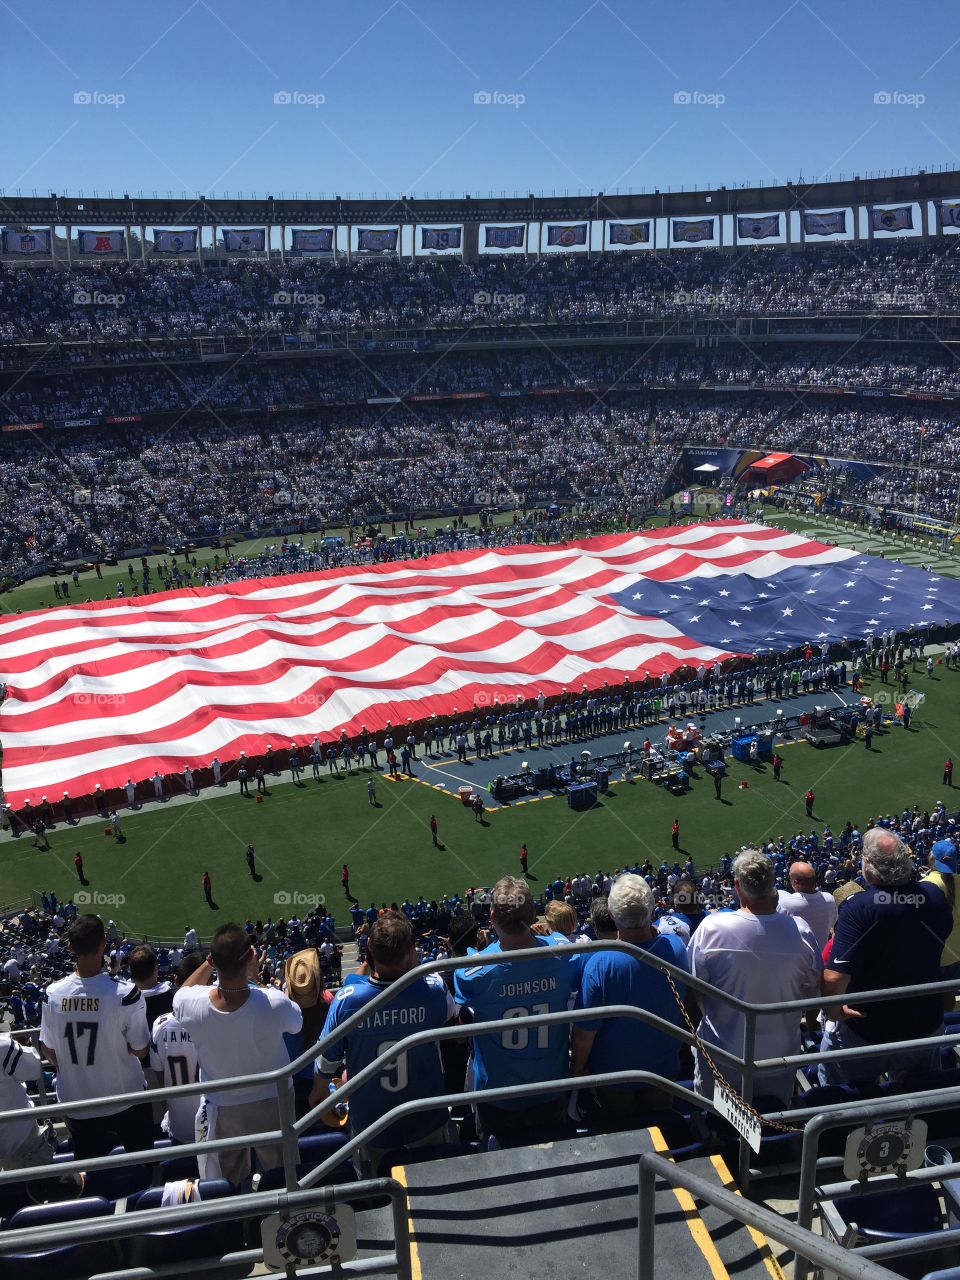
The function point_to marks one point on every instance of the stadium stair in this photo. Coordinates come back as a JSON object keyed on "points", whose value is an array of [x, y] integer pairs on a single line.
{"points": [[563, 1208]]}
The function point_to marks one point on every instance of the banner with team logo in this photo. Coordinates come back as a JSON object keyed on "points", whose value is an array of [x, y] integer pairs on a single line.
{"points": [[825, 224], [692, 232], [100, 242], [629, 232], [949, 214], [504, 237], [318, 241], [899, 219], [248, 240], [440, 237], [26, 242], [176, 242], [567, 236], [758, 228], [379, 240]]}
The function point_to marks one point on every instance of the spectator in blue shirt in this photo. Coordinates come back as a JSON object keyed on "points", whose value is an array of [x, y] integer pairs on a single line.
{"points": [[497, 988], [423, 1006], [613, 977]]}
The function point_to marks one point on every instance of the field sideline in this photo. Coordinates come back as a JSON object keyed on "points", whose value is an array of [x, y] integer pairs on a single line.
{"points": [[302, 835]]}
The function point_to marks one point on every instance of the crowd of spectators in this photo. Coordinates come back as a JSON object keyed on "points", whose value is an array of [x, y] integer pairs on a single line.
{"points": [[180, 301], [819, 913]]}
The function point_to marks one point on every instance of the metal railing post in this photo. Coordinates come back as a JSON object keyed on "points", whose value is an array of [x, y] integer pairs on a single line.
{"points": [[290, 1141], [806, 1196], [746, 1090], [646, 1220]]}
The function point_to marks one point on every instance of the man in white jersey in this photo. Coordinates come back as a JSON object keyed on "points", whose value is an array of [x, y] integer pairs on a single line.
{"points": [[94, 1030], [237, 1029], [174, 1058], [22, 1142], [809, 903]]}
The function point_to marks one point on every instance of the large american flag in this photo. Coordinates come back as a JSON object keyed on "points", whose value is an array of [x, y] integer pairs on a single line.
{"points": [[103, 692]]}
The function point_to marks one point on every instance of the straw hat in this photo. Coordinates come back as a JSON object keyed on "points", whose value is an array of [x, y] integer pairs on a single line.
{"points": [[302, 976]]}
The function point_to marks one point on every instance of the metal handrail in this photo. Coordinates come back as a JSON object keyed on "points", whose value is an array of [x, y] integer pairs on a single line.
{"points": [[257, 1204], [850, 1264], [745, 1063], [849, 1113]]}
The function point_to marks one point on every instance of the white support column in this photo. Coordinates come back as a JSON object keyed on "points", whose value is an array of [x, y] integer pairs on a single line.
{"points": [[126, 241], [349, 247], [69, 231], [735, 238], [268, 241], [143, 244], [925, 219], [200, 247], [856, 221], [213, 244], [720, 230], [283, 244], [788, 214]]}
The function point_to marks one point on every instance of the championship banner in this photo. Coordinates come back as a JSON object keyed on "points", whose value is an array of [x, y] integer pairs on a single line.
{"points": [[825, 224], [319, 241], [26, 242], [504, 237], [692, 232], [758, 228], [99, 242], [629, 232], [899, 219], [251, 240], [440, 237], [177, 242], [949, 214], [379, 241], [567, 236]]}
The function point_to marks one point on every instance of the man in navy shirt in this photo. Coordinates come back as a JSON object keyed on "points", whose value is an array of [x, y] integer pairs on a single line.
{"points": [[891, 935], [613, 977], [497, 988], [423, 1006]]}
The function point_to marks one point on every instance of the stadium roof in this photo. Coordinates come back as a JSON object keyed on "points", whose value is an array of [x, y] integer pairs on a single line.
{"points": [[60, 210]]}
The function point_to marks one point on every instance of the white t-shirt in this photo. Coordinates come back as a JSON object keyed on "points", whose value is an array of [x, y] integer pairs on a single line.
{"points": [[762, 959], [245, 1042], [174, 1057], [18, 1063], [819, 909], [92, 1024], [12, 969]]}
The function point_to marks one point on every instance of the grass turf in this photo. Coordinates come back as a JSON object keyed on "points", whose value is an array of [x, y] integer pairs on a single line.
{"points": [[303, 835]]}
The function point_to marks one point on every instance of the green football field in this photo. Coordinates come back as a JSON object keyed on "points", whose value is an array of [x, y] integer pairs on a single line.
{"points": [[302, 835]]}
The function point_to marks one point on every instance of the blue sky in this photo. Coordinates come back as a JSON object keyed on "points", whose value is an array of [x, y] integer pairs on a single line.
{"points": [[183, 95]]}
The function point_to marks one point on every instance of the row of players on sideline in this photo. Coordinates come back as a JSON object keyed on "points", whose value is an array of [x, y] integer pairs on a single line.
{"points": [[544, 722]]}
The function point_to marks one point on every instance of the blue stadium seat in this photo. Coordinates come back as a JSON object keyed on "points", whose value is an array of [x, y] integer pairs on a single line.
{"points": [[897, 1214], [184, 1244], [64, 1262], [114, 1184], [314, 1149]]}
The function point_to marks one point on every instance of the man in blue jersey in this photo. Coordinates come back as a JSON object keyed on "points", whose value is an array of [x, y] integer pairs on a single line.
{"points": [[499, 988], [425, 1005], [613, 977]]}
